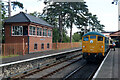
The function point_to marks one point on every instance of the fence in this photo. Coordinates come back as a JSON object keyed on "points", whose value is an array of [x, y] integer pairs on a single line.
{"points": [[21, 49], [60, 46], [13, 49]]}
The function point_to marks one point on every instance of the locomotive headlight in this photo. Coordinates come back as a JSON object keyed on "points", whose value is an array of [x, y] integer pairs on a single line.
{"points": [[83, 46], [101, 46]]}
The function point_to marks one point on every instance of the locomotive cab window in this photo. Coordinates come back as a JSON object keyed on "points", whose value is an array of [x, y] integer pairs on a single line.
{"points": [[100, 38], [85, 39], [92, 37]]}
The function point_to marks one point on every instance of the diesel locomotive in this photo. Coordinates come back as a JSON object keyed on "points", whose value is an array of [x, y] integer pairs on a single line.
{"points": [[94, 46]]}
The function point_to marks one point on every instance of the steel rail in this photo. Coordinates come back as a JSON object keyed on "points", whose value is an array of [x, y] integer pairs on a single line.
{"points": [[26, 60], [55, 71], [73, 72], [38, 70]]}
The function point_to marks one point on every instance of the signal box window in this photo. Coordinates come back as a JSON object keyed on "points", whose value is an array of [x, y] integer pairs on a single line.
{"points": [[42, 46], [35, 46], [92, 37], [39, 31], [17, 30], [48, 45], [49, 32], [44, 32], [100, 38], [32, 30], [85, 39]]}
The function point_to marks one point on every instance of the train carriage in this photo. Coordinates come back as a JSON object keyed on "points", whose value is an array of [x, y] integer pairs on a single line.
{"points": [[94, 45]]}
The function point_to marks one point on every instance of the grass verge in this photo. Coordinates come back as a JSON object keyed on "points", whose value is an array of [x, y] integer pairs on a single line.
{"points": [[8, 56]]}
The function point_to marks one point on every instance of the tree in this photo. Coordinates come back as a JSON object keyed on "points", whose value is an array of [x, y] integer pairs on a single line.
{"points": [[36, 14], [5, 8], [54, 14], [67, 14], [0, 24], [55, 35], [4, 11], [76, 37]]}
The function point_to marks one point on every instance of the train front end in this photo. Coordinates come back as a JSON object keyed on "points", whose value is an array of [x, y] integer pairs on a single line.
{"points": [[93, 45]]}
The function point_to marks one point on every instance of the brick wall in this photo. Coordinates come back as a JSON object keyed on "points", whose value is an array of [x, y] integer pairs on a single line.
{"points": [[32, 39], [39, 41], [13, 39]]}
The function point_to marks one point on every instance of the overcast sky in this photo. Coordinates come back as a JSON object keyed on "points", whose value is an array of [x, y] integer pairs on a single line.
{"points": [[106, 12]]}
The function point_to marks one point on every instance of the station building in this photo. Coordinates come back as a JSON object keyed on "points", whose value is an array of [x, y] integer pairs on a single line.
{"points": [[35, 32], [116, 36], [107, 33]]}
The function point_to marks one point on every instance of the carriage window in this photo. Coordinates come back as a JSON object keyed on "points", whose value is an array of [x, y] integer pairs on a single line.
{"points": [[92, 37], [100, 38], [85, 39]]}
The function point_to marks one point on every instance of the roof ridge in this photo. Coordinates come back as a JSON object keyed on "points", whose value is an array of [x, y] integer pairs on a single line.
{"points": [[26, 16], [11, 17]]}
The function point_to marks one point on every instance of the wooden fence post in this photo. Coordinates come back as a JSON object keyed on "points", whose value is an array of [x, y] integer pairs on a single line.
{"points": [[4, 49], [57, 44], [23, 47], [14, 48]]}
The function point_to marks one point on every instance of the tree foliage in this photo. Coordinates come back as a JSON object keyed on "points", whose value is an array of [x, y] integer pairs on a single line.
{"points": [[65, 14], [76, 37], [4, 12], [14, 4]]}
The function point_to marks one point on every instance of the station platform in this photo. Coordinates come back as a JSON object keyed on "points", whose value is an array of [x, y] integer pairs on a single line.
{"points": [[110, 66], [33, 55]]}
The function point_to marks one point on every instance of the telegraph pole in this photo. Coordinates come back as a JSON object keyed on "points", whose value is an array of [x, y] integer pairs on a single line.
{"points": [[9, 8], [117, 2]]}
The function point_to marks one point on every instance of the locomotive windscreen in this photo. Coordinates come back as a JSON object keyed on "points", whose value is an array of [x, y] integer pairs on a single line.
{"points": [[85, 39], [92, 37], [100, 38]]}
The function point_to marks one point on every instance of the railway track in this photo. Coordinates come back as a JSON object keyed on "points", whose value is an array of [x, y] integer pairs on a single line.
{"points": [[57, 70], [84, 72], [35, 71]]}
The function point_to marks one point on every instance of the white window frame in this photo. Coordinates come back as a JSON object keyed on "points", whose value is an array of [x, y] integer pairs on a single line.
{"points": [[39, 30], [45, 32], [18, 29], [49, 33], [31, 31], [34, 31]]}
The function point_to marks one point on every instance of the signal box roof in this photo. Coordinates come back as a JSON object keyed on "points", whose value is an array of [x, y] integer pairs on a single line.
{"points": [[23, 17], [94, 33]]}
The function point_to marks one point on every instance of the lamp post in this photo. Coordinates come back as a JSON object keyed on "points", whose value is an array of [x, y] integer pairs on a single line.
{"points": [[9, 8], [115, 2]]}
